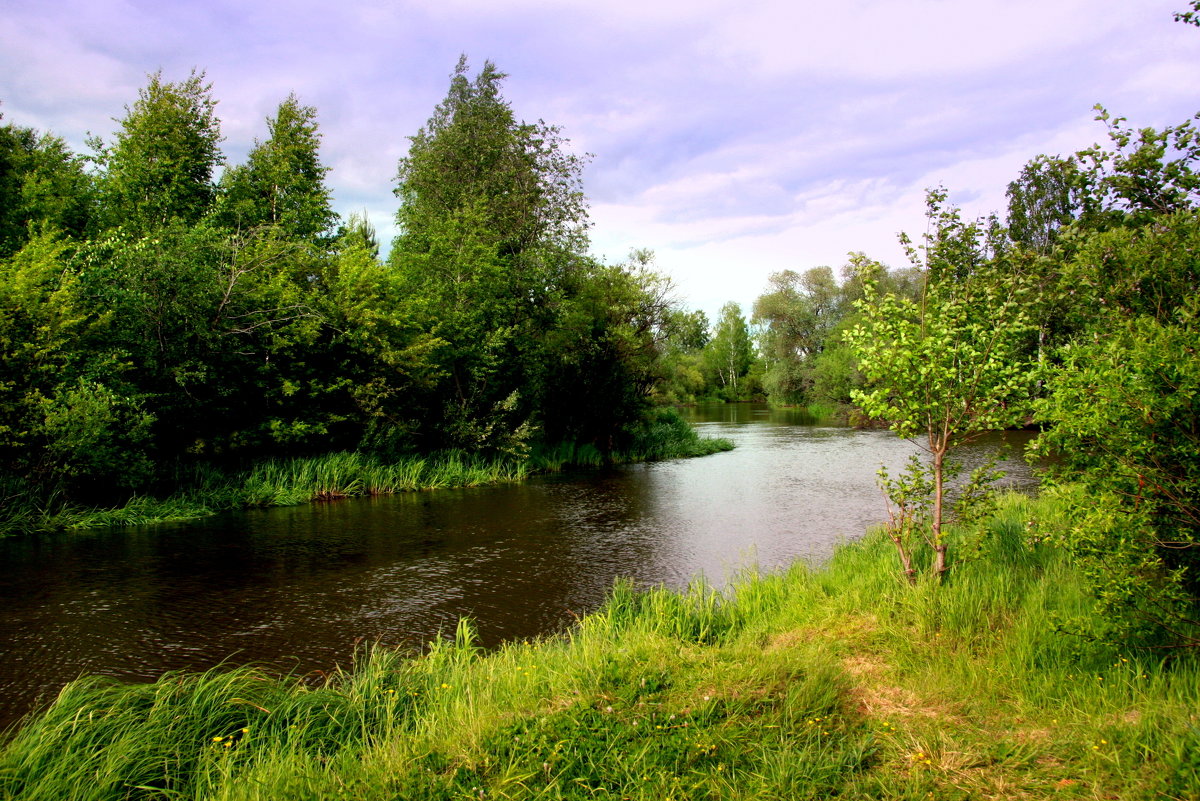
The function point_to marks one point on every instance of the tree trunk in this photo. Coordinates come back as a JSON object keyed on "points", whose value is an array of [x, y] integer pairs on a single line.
{"points": [[905, 556], [939, 545]]}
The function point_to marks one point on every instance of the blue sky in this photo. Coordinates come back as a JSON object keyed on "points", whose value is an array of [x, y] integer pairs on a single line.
{"points": [[733, 139]]}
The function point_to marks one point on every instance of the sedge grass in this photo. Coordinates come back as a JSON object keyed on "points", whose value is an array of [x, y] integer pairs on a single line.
{"points": [[809, 683], [203, 490]]}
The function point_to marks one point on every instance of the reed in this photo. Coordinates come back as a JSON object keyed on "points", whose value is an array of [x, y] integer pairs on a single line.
{"points": [[200, 490]]}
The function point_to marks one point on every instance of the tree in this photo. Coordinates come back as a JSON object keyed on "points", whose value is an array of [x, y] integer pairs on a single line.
{"points": [[682, 361], [1122, 419], [1042, 200], [282, 183], [1150, 171], [41, 320], [42, 186], [492, 225], [160, 169], [947, 367], [800, 311], [600, 361], [358, 230], [472, 156], [730, 351]]}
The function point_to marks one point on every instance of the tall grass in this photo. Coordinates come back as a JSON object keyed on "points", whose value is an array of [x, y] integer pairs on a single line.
{"points": [[840, 682], [202, 490], [351, 474]]}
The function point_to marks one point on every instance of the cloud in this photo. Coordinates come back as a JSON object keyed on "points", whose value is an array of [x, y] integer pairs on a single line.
{"points": [[734, 139]]}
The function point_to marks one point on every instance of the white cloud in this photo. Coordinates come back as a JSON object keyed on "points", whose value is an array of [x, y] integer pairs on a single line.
{"points": [[734, 139]]}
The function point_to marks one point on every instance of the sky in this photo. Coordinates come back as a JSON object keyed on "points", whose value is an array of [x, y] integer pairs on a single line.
{"points": [[733, 139]]}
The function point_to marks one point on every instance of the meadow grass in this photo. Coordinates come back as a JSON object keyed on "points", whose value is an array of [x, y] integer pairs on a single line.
{"points": [[841, 681]]}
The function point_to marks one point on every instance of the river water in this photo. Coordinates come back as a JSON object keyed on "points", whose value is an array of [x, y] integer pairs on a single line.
{"points": [[298, 589]]}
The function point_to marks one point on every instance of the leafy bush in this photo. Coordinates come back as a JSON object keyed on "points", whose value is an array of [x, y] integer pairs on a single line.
{"points": [[1125, 415]]}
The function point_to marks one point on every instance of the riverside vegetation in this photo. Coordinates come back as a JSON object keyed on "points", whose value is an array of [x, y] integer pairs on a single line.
{"points": [[178, 334], [162, 332], [203, 490], [844, 681]]}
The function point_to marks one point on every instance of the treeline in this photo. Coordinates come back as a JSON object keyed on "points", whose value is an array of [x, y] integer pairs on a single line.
{"points": [[790, 351], [160, 307]]}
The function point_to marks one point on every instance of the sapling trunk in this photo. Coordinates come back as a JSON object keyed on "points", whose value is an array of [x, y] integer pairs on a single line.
{"points": [[897, 536], [939, 544]]}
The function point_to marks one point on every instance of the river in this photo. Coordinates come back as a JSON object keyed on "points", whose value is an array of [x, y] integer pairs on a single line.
{"points": [[299, 589]]}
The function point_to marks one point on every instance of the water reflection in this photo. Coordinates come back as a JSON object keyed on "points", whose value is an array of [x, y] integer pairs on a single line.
{"points": [[297, 588]]}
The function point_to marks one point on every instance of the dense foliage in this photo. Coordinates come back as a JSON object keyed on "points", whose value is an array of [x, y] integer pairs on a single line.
{"points": [[159, 307], [1081, 317]]}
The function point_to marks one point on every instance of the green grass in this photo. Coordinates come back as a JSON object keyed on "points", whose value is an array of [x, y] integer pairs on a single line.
{"points": [[203, 490], [840, 682]]}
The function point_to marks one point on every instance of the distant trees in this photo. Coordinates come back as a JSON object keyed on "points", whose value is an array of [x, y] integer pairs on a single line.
{"points": [[802, 321], [799, 314], [730, 351]]}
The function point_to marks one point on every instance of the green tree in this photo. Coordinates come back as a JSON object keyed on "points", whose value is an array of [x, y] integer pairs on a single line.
{"points": [[161, 293], [160, 168], [492, 224], [1045, 197], [682, 362], [282, 183], [945, 368], [380, 359], [67, 425], [473, 157], [1122, 418], [799, 312], [730, 351], [1149, 171], [600, 362], [41, 320], [42, 185], [358, 230]]}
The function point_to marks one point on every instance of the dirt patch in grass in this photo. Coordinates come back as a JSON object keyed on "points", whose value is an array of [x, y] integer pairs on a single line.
{"points": [[877, 697], [791, 639]]}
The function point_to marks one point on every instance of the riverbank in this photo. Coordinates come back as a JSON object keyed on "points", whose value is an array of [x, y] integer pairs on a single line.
{"points": [[203, 490], [806, 684]]}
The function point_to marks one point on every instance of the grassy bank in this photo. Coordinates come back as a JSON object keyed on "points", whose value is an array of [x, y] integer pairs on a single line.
{"points": [[201, 491], [808, 684]]}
